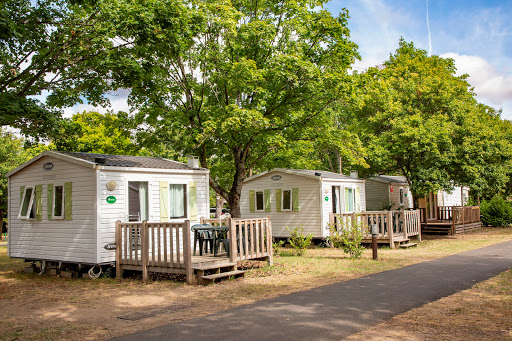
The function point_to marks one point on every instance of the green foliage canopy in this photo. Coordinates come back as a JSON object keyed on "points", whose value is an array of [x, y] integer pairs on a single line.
{"points": [[254, 76]]}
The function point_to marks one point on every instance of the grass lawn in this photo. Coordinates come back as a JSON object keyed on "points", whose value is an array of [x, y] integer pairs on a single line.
{"points": [[53, 308]]}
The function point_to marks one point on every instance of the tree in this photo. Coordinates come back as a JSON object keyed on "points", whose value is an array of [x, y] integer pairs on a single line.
{"points": [[420, 120], [67, 50], [92, 132], [12, 155], [250, 81]]}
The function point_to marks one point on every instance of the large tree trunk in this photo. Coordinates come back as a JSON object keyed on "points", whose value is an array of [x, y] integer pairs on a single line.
{"points": [[219, 202]]}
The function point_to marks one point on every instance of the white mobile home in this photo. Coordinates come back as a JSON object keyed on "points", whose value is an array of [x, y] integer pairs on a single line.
{"points": [[63, 205], [294, 197], [388, 192]]}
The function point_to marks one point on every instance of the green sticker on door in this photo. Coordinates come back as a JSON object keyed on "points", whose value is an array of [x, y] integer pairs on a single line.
{"points": [[326, 198], [111, 199]]}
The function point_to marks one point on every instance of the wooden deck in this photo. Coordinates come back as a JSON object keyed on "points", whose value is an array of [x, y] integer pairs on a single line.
{"points": [[452, 220], [394, 227], [167, 248]]}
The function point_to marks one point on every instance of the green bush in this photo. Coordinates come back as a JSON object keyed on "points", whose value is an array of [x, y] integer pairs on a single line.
{"points": [[276, 246], [298, 240], [496, 212], [348, 238]]}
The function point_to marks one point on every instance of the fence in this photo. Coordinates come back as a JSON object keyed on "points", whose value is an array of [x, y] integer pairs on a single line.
{"points": [[392, 226], [157, 247], [249, 238]]}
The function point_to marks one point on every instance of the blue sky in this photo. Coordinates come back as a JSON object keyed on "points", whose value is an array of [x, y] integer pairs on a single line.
{"points": [[477, 34]]}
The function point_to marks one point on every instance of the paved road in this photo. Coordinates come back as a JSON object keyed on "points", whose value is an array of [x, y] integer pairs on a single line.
{"points": [[335, 311]]}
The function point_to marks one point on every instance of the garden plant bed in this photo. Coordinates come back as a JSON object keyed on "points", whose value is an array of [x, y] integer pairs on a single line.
{"points": [[49, 307]]}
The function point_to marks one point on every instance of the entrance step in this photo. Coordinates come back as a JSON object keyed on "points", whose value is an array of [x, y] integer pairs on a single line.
{"points": [[209, 266], [209, 279], [405, 246]]}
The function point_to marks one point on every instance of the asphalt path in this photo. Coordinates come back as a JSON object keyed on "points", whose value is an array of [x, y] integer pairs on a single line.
{"points": [[338, 310]]}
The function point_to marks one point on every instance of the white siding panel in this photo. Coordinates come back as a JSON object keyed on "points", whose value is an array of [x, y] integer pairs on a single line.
{"points": [[452, 198], [110, 213], [327, 205], [59, 240], [309, 197]]}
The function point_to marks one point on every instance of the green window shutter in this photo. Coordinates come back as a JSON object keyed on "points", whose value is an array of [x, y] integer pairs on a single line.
{"points": [[192, 201], [39, 202], [279, 193], [266, 194], [68, 201], [252, 203], [357, 206], [164, 201], [49, 201], [295, 200]]}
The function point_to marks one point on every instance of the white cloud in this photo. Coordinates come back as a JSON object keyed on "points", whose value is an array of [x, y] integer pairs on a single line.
{"points": [[492, 86], [118, 102]]}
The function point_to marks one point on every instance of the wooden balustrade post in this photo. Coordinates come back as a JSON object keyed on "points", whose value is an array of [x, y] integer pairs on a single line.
{"points": [[405, 222], [187, 253], [389, 218], [270, 258], [145, 250], [119, 242], [418, 226], [233, 252]]}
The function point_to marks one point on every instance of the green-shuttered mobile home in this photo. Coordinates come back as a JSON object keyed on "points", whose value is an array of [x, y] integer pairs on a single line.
{"points": [[63, 206], [294, 197]]}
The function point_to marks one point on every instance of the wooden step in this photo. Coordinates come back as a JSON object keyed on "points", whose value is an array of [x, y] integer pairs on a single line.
{"points": [[408, 245], [208, 279], [210, 266]]}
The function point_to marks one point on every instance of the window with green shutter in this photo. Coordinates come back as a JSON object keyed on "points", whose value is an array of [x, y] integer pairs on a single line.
{"points": [[260, 202], [252, 204]]}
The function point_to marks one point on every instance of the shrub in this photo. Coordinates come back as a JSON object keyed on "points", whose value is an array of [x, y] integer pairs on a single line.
{"points": [[298, 240], [348, 238], [496, 212], [276, 246]]}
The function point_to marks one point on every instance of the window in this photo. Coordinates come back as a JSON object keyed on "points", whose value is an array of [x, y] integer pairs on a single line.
{"points": [[349, 199], [177, 201], [287, 200], [259, 201], [401, 196], [138, 201], [27, 208], [58, 202]]}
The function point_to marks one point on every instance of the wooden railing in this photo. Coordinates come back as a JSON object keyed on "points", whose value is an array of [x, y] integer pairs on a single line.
{"points": [[445, 213], [167, 247], [154, 247], [466, 214], [250, 238], [390, 224]]}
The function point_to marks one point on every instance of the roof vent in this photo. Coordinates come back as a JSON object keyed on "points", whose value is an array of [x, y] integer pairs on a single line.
{"points": [[100, 159], [354, 174], [193, 161], [318, 174]]}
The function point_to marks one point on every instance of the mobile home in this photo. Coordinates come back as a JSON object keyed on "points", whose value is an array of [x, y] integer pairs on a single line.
{"points": [[63, 205], [295, 197], [388, 192]]}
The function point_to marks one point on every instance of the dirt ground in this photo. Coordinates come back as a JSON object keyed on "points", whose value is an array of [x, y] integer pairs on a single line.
{"points": [[34, 307]]}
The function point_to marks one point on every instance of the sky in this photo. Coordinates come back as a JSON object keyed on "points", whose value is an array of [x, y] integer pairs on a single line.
{"points": [[477, 34]]}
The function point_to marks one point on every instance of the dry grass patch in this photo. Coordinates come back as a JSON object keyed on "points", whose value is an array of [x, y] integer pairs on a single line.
{"points": [[480, 313], [51, 308]]}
